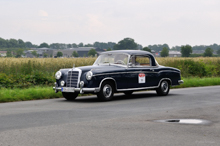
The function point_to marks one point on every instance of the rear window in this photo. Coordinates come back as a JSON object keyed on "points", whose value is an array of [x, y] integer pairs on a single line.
{"points": [[140, 61]]}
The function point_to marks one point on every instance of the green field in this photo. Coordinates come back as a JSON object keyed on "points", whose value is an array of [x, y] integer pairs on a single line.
{"points": [[23, 78]]}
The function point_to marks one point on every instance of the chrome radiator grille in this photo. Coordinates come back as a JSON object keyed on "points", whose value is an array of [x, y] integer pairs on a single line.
{"points": [[72, 79]]}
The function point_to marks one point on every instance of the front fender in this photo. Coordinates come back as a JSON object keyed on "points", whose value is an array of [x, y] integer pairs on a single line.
{"points": [[64, 75]]}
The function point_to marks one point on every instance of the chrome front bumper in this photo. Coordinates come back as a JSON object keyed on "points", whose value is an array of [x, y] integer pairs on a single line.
{"points": [[180, 81], [72, 89]]}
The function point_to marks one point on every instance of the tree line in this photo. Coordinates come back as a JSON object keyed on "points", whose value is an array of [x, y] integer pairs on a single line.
{"points": [[187, 50], [200, 47], [126, 43], [13, 43], [91, 53]]}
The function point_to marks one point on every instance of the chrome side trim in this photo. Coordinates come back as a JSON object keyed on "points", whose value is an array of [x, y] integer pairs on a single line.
{"points": [[168, 71], [145, 88], [95, 90], [136, 72], [109, 64], [137, 88], [123, 73]]}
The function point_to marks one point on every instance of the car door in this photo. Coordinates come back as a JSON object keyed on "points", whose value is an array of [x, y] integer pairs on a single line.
{"points": [[140, 73]]}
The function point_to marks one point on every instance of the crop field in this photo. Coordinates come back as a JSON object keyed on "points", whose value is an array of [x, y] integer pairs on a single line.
{"points": [[194, 67], [19, 65], [27, 72]]}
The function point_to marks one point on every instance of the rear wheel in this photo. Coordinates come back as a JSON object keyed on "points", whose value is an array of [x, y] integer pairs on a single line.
{"points": [[106, 92], [70, 96], [164, 88]]}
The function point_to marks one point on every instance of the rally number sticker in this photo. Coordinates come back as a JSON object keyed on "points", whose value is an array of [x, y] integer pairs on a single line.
{"points": [[141, 78]]}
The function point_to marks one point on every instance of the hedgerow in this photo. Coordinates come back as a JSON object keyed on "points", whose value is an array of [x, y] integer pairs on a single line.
{"points": [[28, 72]]}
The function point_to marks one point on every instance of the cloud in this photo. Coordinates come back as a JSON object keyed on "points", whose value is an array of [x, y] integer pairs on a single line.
{"points": [[146, 21], [43, 13], [99, 1], [94, 23]]}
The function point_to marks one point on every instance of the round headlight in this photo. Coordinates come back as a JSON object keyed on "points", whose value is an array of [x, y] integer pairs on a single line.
{"points": [[58, 75], [89, 75], [62, 83]]}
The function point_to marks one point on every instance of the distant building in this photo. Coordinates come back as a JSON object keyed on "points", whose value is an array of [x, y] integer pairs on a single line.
{"points": [[82, 52], [41, 52], [203, 51], [174, 54], [28, 54], [171, 53], [45, 51], [3, 53], [198, 51], [156, 54]]}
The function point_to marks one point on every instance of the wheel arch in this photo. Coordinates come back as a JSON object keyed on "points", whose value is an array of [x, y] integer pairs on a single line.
{"points": [[112, 80], [166, 79]]}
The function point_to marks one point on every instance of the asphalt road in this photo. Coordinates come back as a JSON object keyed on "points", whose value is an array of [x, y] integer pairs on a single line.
{"points": [[127, 120]]}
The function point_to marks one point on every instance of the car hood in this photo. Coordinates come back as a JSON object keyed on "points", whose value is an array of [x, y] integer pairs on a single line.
{"points": [[101, 68]]}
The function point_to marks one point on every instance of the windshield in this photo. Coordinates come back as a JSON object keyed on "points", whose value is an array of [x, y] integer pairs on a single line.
{"points": [[121, 59]]}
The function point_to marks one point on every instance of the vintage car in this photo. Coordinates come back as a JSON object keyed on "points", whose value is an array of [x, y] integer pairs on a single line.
{"points": [[117, 71]]}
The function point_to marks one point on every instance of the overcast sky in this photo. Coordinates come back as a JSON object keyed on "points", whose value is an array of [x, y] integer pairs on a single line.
{"points": [[148, 22]]}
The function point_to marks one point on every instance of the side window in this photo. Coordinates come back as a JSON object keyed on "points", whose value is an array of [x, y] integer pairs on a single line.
{"points": [[140, 61]]}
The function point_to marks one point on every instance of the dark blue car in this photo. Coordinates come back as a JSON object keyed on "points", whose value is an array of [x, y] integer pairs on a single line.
{"points": [[117, 71]]}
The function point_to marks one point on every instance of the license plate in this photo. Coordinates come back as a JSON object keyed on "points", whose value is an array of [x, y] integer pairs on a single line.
{"points": [[65, 89]]}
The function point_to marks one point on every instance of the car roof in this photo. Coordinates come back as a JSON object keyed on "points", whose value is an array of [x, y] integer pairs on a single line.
{"points": [[130, 52], [134, 52]]}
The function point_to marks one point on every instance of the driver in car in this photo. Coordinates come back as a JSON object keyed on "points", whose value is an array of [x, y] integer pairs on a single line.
{"points": [[121, 59]]}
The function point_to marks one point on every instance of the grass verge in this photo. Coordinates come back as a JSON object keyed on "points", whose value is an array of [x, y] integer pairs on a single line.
{"points": [[34, 93], [199, 82]]}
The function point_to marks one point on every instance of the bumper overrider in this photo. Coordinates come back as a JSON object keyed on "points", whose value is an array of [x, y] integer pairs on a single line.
{"points": [[180, 81]]}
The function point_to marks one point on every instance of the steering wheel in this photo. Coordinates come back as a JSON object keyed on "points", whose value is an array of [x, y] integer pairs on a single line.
{"points": [[120, 62]]}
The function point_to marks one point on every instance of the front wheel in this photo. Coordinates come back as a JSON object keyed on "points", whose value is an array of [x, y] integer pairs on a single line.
{"points": [[164, 88], [70, 96], [106, 92]]}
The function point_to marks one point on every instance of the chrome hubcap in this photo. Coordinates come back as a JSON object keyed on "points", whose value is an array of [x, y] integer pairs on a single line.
{"points": [[164, 86], [107, 91]]}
